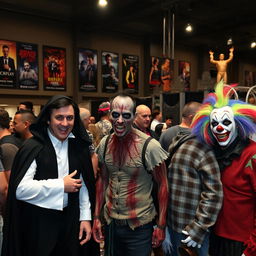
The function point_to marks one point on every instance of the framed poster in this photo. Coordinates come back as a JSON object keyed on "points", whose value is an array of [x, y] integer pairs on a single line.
{"points": [[130, 73], [8, 64], [109, 70], [87, 60], [184, 74], [155, 73], [27, 59], [54, 62]]}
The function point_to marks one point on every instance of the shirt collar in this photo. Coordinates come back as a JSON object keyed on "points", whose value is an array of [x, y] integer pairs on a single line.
{"points": [[56, 141]]}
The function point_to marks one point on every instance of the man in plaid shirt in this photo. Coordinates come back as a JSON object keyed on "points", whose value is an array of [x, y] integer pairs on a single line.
{"points": [[195, 196]]}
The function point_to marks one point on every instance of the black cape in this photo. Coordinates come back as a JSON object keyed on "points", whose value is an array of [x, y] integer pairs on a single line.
{"points": [[21, 217]]}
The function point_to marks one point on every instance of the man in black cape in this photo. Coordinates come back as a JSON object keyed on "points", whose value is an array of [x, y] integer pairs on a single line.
{"points": [[52, 187]]}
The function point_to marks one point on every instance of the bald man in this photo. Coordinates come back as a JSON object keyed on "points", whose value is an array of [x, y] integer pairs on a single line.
{"points": [[142, 120]]}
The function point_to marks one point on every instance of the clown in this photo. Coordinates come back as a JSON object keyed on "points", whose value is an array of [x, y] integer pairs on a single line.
{"points": [[129, 209], [226, 125]]}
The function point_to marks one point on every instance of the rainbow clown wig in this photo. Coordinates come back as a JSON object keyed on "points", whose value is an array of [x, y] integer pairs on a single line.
{"points": [[244, 115]]}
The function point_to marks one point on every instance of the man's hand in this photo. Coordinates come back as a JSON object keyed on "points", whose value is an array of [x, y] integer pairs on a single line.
{"points": [[85, 229], [231, 49], [211, 52], [189, 240], [70, 184], [96, 231], [158, 237]]}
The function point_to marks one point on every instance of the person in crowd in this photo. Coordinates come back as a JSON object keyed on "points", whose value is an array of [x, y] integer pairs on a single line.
{"points": [[195, 194], [85, 118], [168, 121], [221, 64], [91, 247], [142, 120], [3, 193], [52, 187], [26, 105], [9, 145], [225, 125], [92, 120], [103, 126], [156, 119], [21, 123], [129, 210], [188, 112]]}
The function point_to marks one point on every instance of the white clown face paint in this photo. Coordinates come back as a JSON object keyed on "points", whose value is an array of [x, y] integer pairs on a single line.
{"points": [[122, 115], [223, 125]]}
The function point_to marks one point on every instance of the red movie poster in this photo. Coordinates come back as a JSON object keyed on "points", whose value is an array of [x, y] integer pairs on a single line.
{"points": [[54, 68]]}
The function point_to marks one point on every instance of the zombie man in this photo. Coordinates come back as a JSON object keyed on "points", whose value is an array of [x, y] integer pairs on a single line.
{"points": [[129, 210], [226, 125]]}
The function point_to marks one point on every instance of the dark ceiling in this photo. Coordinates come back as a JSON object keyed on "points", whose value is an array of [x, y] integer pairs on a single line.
{"points": [[214, 21]]}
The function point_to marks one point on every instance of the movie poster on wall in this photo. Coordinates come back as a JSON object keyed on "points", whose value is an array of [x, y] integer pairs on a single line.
{"points": [[109, 70], [27, 71], [8, 64], [184, 74], [54, 60], [87, 60], [130, 73]]}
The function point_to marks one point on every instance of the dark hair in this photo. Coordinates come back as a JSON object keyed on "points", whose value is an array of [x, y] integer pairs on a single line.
{"points": [[60, 103], [28, 104], [124, 95], [108, 55], [4, 119], [155, 113], [5, 46], [27, 115]]}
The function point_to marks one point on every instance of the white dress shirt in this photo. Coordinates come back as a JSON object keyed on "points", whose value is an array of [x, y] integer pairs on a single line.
{"points": [[50, 193]]}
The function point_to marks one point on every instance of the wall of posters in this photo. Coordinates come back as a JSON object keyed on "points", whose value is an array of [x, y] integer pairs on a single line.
{"points": [[130, 73], [155, 73], [184, 74], [8, 64], [54, 60], [110, 78], [27, 70], [87, 60]]}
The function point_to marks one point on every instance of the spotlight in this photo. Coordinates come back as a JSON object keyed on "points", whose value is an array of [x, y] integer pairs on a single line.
{"points": [[102, 3], [253, 44], [230, 41], [189, 28]]}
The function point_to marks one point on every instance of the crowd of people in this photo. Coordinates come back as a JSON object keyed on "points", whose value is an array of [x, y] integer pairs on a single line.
{"points": [[130, 184]]}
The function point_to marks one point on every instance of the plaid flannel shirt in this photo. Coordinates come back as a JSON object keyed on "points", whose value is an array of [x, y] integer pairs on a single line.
{"points": [[196, 194]]}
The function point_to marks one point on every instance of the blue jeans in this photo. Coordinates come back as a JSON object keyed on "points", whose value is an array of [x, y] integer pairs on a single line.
{"points": [[127, 242], [176, 242]]}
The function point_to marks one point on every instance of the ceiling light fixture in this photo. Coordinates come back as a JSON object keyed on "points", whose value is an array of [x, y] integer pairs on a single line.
{"points": [[102, 3], [230, 41], [189, 28], [253, 44]]}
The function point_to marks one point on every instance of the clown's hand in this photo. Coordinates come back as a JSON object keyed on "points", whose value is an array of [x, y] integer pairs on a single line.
{"points": [[243, 254], [188, 241]]}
